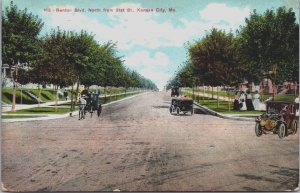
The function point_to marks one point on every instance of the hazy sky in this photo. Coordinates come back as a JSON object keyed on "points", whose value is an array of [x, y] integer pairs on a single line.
{"points": [[152, 43]]}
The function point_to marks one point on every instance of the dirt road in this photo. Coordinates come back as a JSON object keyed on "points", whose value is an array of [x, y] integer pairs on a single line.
{"points": [[136, 145]]}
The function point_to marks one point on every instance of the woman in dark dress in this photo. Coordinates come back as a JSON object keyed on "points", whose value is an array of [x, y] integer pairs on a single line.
{"points": [[236, 103], [249, 103]]}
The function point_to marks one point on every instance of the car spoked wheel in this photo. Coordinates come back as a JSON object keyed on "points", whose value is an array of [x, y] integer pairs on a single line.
{"points": [[258, 130], [281, 131], [178, 110]]}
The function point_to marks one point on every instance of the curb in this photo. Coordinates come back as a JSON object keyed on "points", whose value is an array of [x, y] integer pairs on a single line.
{"points": [[70, 114], [214, 113]]}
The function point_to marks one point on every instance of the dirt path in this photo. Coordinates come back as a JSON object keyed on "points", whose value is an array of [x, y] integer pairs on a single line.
{"points": [[136, 145]]}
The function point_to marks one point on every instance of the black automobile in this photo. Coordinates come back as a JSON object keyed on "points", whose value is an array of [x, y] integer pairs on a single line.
{"points": [[183, 104]]}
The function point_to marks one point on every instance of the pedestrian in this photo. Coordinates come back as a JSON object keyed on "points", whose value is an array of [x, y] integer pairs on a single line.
{"points": [[66, 94], [236, 103], [256, 101], [249, 103], [297, 105], [243, 101]]}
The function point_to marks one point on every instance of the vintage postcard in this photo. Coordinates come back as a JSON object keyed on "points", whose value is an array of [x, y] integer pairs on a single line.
{"points": [[134, 95]]}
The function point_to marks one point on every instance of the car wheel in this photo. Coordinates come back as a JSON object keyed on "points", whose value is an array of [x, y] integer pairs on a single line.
{"points": [[178, 110], [281, 131], [192, 111], [258, 130], [170, 110]]}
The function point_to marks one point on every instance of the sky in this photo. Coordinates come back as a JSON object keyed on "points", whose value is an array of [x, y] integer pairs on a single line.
{"points": [[151, 42]]}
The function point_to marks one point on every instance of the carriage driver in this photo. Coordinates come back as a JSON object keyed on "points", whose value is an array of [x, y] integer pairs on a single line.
{"points": [[86, 95]]}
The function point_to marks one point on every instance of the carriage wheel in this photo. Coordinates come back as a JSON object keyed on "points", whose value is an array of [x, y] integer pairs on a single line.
{"points": [[99, 110], [79, 115], [83, 114], [281, 131], [294, 126], [258, 130], [178, 110], [91, 111]]}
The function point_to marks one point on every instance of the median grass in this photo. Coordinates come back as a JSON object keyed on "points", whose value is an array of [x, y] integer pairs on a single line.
{"points": [[109, 99], [16, 117], [41, 110]]}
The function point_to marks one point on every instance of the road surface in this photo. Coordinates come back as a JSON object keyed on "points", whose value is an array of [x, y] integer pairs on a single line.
{"points": [[136, 145]]}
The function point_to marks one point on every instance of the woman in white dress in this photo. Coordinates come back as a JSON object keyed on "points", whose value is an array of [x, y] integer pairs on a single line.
{"points": [[256, 101]]}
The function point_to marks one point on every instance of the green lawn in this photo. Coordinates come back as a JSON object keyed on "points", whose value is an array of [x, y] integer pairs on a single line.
{"points": [[52, 110], [224, 106], [46, 95], [221, 93], [20, 97], [279, 97]]}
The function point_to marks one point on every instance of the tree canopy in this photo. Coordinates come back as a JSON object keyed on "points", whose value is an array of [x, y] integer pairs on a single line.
{"points": [[267, 45], [62, 57]]}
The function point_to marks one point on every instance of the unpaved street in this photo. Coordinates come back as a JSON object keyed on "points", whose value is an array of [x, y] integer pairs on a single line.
{"points": [[136, 145]]}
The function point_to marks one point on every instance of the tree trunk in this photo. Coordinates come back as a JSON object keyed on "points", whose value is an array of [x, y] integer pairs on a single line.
{"points": [[56, 97], [39, 94], [228, 100], [13, 107], [72, 95], [104, 94], [218, 97], [77, 92], [203, 97]]}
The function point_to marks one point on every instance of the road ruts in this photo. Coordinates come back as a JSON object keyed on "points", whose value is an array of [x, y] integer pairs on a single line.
{"points": [[136, 145]]}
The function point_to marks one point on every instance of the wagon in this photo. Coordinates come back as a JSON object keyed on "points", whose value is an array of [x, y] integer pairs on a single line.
{"points": [[182, 104], [92, 104], [279, 118]]}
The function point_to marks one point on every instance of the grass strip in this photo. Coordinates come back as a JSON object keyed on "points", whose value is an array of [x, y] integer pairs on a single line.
{"points": [[41, 110]]}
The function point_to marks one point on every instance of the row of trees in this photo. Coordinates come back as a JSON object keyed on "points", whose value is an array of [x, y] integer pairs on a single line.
{"points": [[61, 58], [268, 44]]}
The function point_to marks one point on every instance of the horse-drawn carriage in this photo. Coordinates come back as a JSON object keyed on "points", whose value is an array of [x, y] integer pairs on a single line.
{"points": [[279, 118], [89, 103]]}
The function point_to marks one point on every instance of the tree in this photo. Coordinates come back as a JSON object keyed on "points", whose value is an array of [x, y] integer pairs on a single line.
{"points": [[269, 39], [215, 59], [20, 42]]}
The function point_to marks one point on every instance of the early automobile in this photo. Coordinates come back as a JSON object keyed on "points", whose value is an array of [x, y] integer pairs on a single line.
{"points": [[183, 104], [175, 91], [279, 118]]}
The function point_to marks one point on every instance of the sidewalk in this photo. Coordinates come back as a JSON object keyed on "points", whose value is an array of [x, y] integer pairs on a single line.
{"points": [[39, 117]]}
